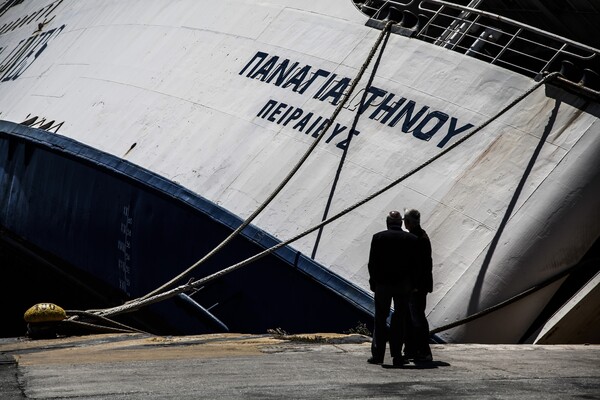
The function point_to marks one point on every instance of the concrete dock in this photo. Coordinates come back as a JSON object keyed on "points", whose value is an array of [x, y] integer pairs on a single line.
{"points": [[316, 366]]}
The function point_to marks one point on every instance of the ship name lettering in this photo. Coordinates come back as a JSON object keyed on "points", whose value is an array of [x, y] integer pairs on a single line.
{"points": [[284, 74], [302, 121], [384, 107]]}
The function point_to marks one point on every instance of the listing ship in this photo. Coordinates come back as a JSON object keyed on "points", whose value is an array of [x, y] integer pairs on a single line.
{"points": [[136, 136]]}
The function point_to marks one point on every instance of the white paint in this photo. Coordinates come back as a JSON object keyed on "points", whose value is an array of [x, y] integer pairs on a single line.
{"points": [[165, 75]]}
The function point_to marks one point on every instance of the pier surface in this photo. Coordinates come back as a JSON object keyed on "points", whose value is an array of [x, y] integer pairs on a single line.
{"points": [[237, 366]]}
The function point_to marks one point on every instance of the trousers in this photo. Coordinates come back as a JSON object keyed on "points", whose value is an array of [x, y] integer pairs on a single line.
{"points": [[395, 334], [417, 335]]}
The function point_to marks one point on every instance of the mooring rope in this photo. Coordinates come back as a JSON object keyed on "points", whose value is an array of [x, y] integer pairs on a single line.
{"points": [[75, 314], [96, 328], [348, 141], [506, 302], [288, 177], [134, 305]]}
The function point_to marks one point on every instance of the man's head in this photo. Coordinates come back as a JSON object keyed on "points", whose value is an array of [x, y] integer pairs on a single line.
{"points": [[394, 219], [412, 219]]}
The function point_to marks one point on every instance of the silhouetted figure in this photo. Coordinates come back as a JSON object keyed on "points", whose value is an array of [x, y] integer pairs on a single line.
{"points": [[417, 337], [390, 261]]}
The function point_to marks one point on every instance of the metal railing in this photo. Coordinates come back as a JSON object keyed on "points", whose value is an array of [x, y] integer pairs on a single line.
{"points": [[487, 36], [499, 40]]}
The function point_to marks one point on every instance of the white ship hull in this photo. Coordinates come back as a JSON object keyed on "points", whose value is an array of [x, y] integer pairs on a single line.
{"points": [[190, 91]]}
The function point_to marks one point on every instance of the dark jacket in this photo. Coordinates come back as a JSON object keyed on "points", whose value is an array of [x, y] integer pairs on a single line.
{"points": [[424, 270], [392, 259]]}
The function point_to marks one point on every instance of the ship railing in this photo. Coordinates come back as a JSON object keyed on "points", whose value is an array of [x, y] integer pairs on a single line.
{"points": [[491, 37]]}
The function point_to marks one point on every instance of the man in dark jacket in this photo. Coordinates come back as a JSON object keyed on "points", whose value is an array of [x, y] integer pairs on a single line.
{"points": [[417, 339], [390, 261]]}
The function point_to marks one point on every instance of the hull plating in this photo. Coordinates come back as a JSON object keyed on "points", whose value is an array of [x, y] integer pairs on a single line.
{"points": [[133, 230], [222, 98]]}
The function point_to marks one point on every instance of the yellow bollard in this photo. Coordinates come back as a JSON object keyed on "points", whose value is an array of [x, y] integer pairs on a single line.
{"points": [[44, 312]]}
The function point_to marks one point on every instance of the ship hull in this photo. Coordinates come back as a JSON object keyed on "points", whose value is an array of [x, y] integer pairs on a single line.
{"points": [[81, 206], [209, 106]]}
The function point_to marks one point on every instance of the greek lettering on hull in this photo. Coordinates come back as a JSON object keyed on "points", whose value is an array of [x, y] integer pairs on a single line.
{"points": [[388, 108]]}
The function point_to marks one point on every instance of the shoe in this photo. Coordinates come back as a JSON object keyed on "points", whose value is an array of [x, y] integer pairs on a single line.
{"points": [[399, 361], [374, 360], [423, 358]]}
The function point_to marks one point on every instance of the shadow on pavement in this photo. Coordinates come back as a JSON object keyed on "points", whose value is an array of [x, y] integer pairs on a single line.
{"points": [[418, 365]]}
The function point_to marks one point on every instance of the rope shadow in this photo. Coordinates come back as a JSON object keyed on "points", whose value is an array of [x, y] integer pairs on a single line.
{"points": [[476, 294], [359, 111]]}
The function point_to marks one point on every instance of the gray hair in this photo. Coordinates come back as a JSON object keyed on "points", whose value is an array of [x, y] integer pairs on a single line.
{"points": [[413, 216]]}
